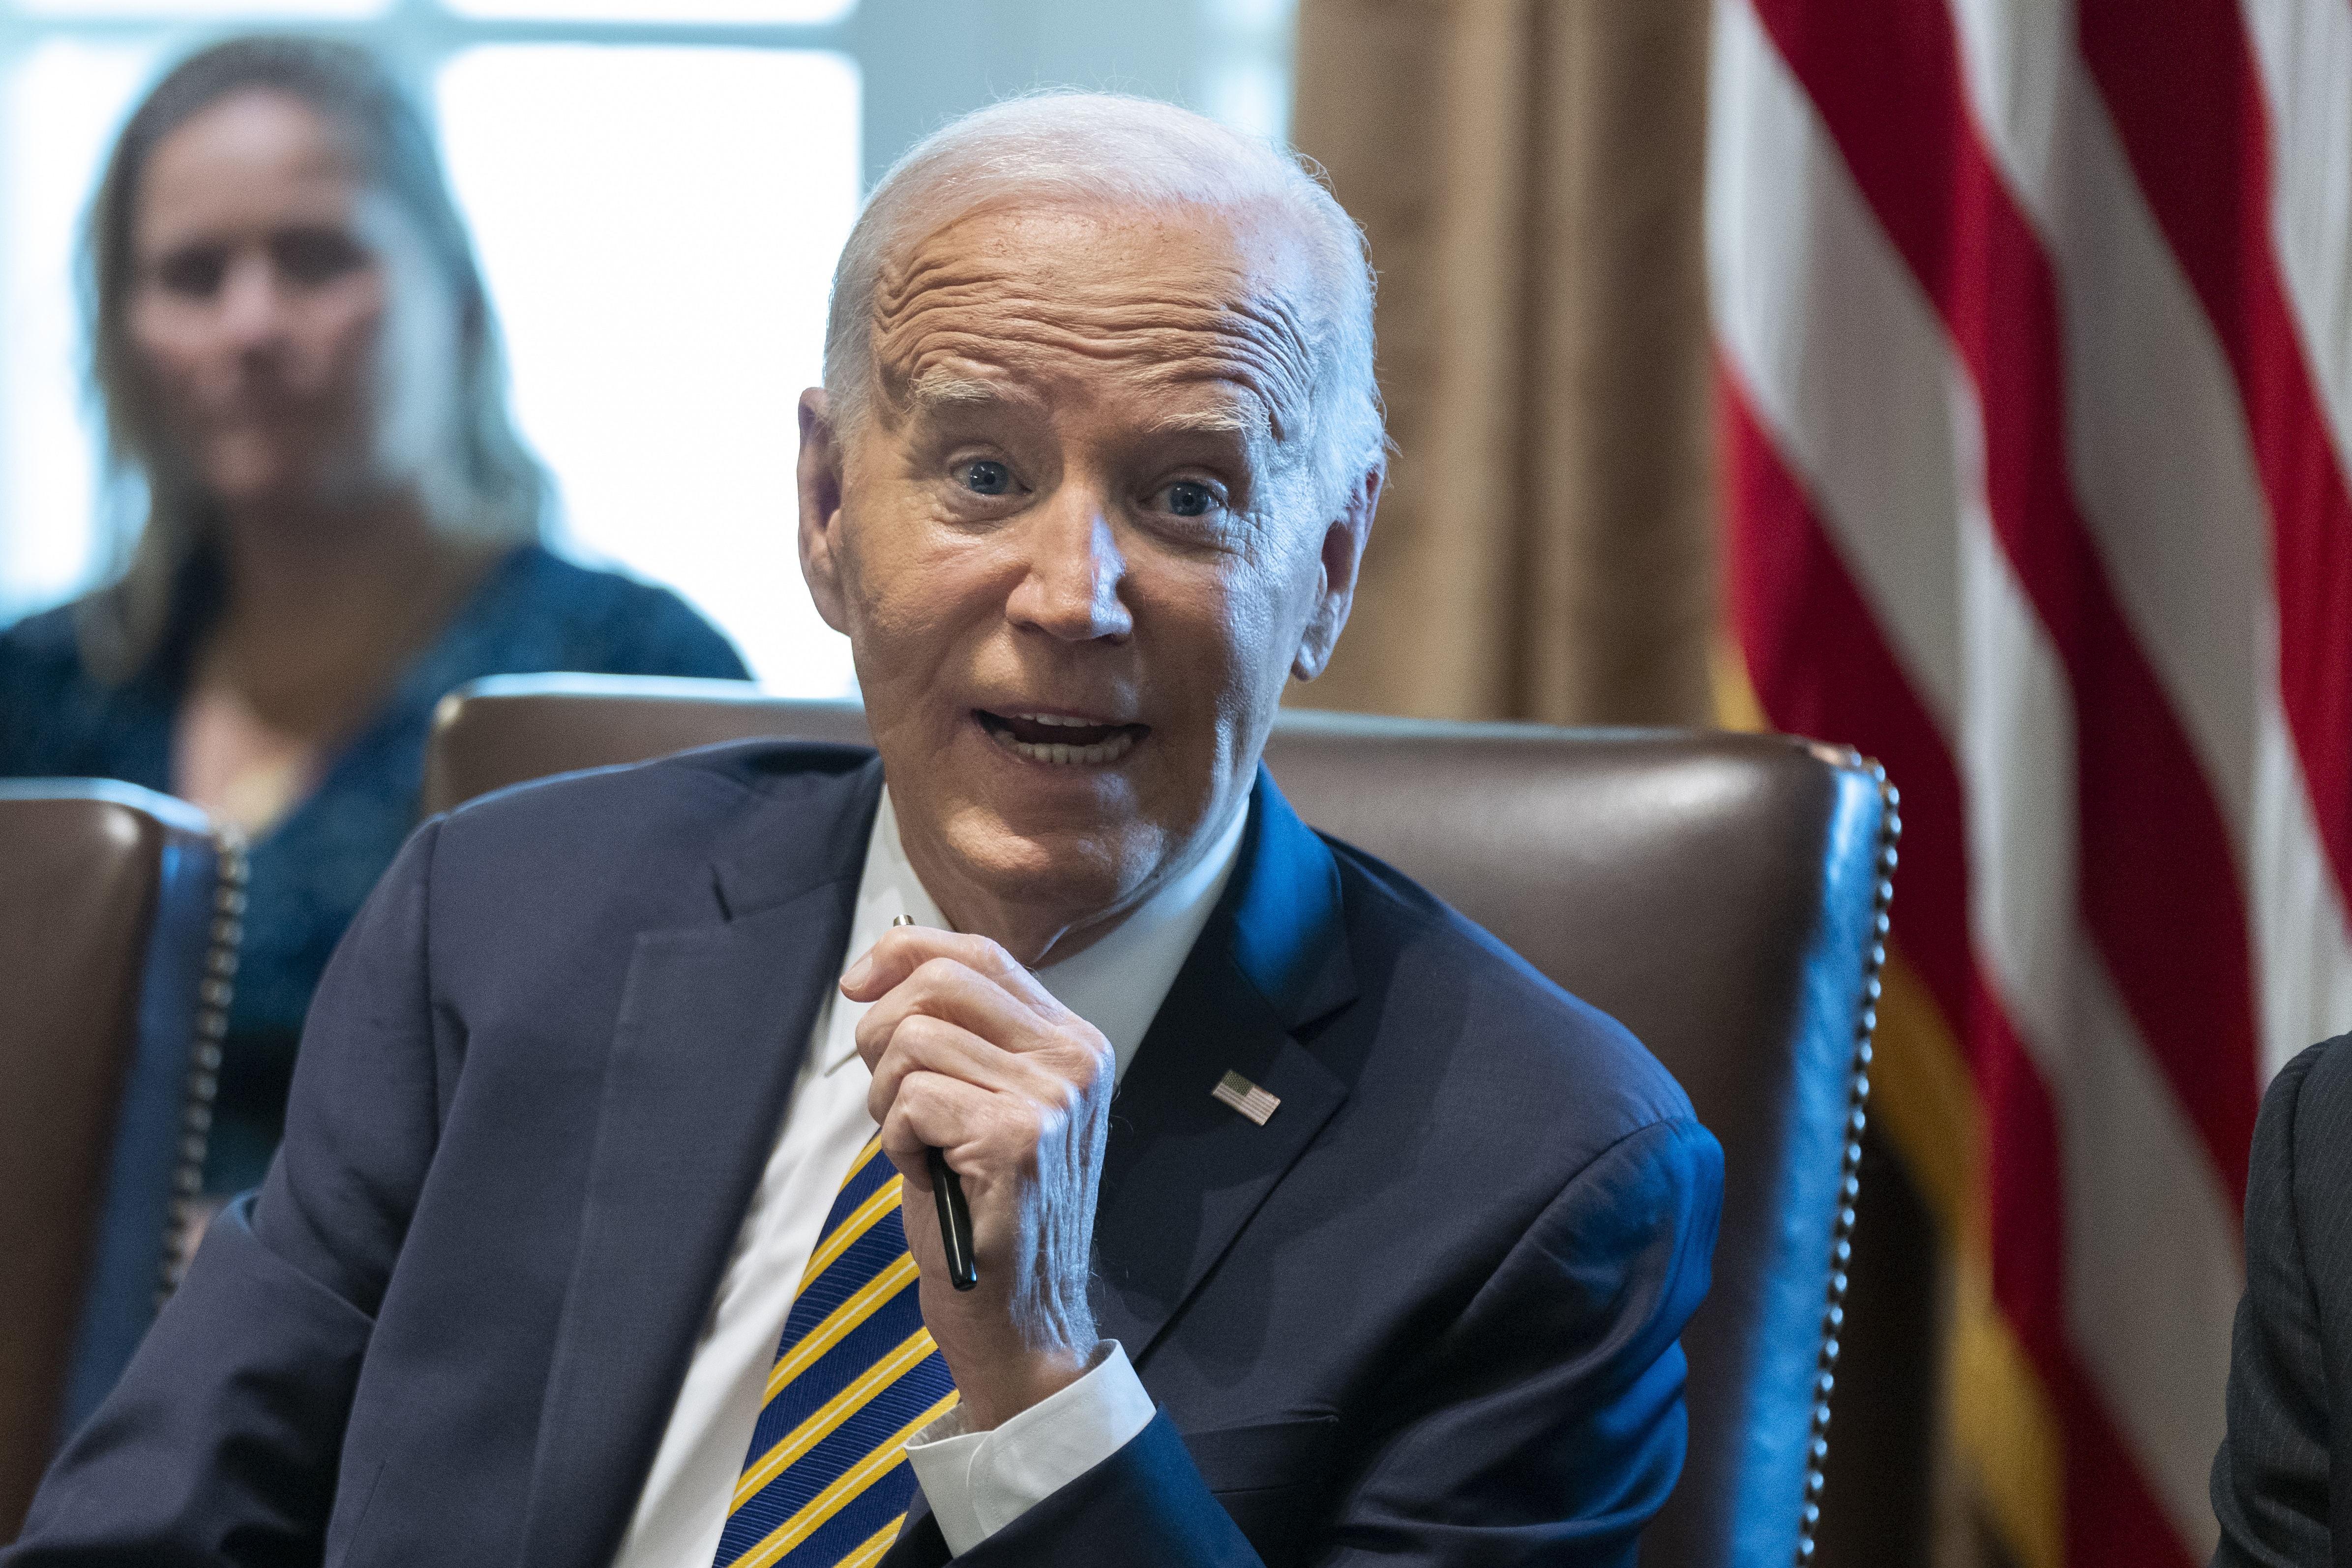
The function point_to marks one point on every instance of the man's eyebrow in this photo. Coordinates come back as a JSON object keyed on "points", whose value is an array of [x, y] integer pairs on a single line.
{"points": [[1228, 421], [945, 389], [937, 390]]}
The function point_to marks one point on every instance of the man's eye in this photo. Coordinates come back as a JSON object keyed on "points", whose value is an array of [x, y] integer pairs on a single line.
{"points": [[1188, 499], [987, 478]]}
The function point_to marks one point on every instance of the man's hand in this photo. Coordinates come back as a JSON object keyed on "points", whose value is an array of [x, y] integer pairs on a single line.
{"points": [[972, 1056]]}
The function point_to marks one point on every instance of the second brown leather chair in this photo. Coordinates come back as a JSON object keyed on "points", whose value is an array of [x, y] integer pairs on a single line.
{"points": [[119, 926]]}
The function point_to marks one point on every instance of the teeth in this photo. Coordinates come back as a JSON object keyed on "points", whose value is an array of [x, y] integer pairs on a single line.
{"points": [[1047, 718], [1110, 750]]}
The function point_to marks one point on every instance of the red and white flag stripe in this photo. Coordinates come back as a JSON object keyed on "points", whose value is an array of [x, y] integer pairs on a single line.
{"points": [[2034, 323]]}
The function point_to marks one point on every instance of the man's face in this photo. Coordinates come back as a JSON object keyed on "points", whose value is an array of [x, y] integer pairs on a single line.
{"points": [[1077, 549]]}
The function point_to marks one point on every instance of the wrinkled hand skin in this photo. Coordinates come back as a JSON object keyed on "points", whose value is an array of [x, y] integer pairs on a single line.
{"points": [[972, 1056]]}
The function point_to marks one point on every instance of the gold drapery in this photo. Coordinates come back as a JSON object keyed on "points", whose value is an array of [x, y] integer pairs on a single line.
{"points": [[1529, 175]]}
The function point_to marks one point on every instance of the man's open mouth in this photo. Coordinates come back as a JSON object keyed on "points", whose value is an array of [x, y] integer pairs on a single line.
{"points": [[1053, 738]]}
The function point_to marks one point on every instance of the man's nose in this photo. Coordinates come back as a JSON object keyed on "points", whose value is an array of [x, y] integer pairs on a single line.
{"points": [[1075, 567]]}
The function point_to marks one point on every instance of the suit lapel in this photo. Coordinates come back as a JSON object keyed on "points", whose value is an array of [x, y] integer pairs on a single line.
{"points": [[1184, 1171], [713, 1023]]}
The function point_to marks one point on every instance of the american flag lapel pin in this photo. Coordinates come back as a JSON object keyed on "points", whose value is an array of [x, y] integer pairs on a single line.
{"points": [[1245, 1097]]}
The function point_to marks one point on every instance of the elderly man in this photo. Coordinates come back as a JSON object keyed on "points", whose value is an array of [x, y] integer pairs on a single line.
{"points": [[1309, 1224]]}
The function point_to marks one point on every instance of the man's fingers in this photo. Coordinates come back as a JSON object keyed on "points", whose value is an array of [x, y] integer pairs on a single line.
{"points": [[973, 1057], [903, 950], [947, 990], [990, 1140], [934, 1111], [926, 1044]]}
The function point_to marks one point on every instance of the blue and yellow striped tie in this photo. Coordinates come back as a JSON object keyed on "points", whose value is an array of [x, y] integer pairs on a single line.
{"points": [[826, 1482]]}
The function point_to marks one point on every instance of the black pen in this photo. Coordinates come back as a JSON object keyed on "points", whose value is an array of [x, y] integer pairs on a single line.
{"points": [[955, 1214]]}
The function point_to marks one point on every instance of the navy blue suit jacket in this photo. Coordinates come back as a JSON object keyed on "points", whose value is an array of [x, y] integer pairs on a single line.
{"points": [[1425, 1314]]}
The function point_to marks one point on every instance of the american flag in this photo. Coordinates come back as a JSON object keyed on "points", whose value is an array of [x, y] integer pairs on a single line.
{"points": [[2033, 322]]}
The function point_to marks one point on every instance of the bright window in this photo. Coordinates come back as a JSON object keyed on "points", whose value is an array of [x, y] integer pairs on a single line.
{"points": [[657, 190], [686, 204], [802, 12], [65, 97]]}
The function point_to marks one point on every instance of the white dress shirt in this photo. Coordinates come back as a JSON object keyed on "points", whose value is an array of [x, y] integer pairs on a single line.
{"points": [[975, 1482]]}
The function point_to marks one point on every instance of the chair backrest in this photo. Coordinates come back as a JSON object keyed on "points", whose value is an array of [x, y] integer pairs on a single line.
{"points": [[117, 934], [1721, 894]]}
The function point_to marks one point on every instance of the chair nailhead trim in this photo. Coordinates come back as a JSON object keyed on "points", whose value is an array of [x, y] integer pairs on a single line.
{"points": [[213, 996], [1890, 832]]}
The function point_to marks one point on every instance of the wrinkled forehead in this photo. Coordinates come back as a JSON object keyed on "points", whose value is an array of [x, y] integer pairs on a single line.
{"points": [[1207, 304]]}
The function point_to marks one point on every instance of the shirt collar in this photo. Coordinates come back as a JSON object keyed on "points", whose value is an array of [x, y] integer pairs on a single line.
{"points": [[1116, 985]]}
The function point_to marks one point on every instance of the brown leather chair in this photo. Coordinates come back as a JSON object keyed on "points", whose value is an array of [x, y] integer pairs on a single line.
{"points": [[118, 929], [1724, 896]]}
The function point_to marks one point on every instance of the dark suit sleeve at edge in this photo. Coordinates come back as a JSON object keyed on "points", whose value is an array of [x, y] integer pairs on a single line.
{"points": [[2270, 1477], [220, 1445], [1544, 1423]]}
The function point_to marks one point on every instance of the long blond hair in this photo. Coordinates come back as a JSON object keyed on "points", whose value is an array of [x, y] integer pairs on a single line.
{"points": [[169, 575]]}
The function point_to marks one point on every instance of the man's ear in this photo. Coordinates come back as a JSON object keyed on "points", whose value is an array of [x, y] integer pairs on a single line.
{"points": [[1342, 557], [819, 488]]}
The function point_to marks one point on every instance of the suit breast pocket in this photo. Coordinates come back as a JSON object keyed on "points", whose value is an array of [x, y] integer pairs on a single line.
{"points": [[1272, 1479]]}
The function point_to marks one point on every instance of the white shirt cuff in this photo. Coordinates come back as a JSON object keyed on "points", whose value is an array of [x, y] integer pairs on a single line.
{"points": [[979, 1482]]}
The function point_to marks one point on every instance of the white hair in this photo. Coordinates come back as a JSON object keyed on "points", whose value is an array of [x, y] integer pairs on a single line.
{"points": [[1072, 149]]}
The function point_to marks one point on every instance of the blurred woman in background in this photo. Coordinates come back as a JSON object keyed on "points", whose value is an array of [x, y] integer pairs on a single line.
{"points": [[296, 354]]}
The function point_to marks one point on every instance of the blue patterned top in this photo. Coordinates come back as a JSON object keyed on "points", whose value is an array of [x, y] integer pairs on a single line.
{"points": [[310, 873]]}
